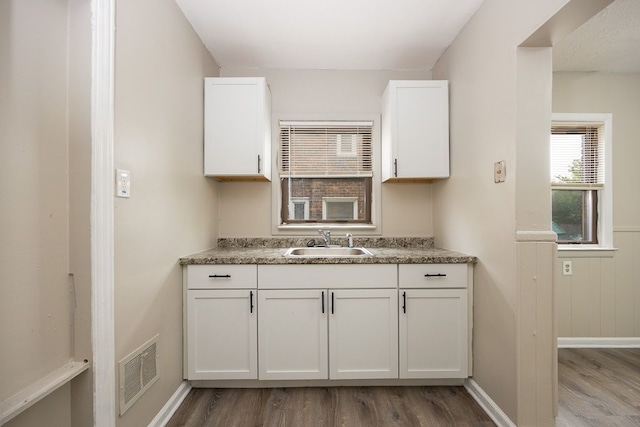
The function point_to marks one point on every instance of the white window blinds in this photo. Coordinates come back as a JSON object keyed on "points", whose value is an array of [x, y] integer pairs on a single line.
{"points": [[325, 149], [577, 155]]}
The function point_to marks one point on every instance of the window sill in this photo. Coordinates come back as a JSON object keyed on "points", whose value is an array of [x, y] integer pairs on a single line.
{"points": [[341, 228], [585, 251]]}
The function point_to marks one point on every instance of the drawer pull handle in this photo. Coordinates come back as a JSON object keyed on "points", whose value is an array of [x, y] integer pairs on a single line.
{"points": [[435, 275], [220, 276], [404, 302], [250, 301], [322, 302]]}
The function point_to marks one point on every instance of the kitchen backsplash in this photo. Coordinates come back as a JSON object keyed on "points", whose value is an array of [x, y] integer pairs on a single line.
{"points": [[367, 242]]}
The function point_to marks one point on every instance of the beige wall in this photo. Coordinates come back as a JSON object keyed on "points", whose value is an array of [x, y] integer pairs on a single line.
{"points": [[53, 411], [173, 209], [35, 212], [36, 307], [493, 95], [602, 297], [46, 145], [406, 208], [80, 203]]}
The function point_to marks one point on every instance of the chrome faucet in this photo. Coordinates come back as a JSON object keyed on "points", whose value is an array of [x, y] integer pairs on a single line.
{"points": [[326, 236]]}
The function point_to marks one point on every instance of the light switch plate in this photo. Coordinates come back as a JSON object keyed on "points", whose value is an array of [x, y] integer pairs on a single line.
{"points": [[499, 171], [123, 183]]}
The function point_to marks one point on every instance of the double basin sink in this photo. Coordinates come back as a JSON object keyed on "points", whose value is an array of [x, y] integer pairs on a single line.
{"points": [[327, 251]]}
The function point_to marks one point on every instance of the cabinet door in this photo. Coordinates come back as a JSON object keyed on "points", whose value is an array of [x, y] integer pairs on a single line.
{"points": [[363, 333], [433, 333], [416, 130], [222, 334], [293, 334], [237, 128]]}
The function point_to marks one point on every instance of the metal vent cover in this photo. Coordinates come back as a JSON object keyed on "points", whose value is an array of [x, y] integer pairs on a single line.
{"points": [[138, 372]]}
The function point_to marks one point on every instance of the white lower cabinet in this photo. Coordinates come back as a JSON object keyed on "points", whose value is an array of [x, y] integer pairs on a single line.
{"points": [[280, 322], [363, 334], [433, 333], [335, 334], [293, 334], [222, 334]]}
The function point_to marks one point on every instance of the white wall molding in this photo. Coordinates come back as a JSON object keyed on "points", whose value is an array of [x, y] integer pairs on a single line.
{"points": [[627, 229], [599, 342], [535, 236], [487, 404], [102, 228], [567, 251], [29, 396], [172, 405]]}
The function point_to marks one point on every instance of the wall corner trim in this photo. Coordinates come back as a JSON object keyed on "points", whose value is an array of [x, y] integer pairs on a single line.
{"points": [[102, 205], [536, 236], [172, 405], [487, 404]]}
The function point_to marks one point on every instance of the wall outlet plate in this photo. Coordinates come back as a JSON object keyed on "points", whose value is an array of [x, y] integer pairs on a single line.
{"points": [[499, 171], [567, 268], [123, 183]]}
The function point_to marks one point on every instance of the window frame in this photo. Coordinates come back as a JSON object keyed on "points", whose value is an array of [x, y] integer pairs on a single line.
{"points": [[604, 209], [304, 228], [304, 201], [330, 199]]}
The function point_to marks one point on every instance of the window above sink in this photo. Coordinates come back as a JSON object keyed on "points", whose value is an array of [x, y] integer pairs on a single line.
{"points": [[328, 174]]}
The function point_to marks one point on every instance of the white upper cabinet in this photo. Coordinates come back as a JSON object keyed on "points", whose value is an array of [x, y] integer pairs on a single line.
{"points": [[415, 130], [237, 129]]}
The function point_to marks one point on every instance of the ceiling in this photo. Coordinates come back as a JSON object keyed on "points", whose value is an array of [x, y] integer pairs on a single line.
{"points": [[328, 34], [383, 34], [608, 42]]}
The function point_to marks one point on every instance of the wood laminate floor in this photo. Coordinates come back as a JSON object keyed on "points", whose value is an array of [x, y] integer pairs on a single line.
{"points": [[333, 406], [598, 387]]}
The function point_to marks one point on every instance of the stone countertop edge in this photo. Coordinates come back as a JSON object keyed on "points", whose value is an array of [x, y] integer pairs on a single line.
{"points": [[262, 251]]}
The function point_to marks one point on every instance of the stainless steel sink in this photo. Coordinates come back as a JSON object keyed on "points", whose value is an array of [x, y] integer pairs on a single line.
{"points": [[327, 252]]}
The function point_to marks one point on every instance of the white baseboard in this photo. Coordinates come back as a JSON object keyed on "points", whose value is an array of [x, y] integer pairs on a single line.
{"points": [[487, 404], [172, 405], [599, 342]]}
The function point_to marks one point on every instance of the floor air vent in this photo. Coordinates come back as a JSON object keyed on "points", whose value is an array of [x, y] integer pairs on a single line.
{"points": [[138, 372]]}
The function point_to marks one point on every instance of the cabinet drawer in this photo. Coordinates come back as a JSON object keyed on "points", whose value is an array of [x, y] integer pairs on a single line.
{"points": [[222, 276], [316, 276], [433, 275]]}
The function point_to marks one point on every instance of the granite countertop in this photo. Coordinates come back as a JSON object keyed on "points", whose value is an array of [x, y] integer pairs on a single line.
{"points": [[271, 251]]}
